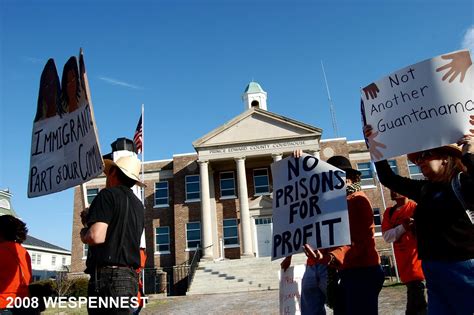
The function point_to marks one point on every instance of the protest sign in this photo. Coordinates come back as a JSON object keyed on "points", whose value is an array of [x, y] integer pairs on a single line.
{"points": [[65, 151], [290, 289], [309, 205], [423, 106]]}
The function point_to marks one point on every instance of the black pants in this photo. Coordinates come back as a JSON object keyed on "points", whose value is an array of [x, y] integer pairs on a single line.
{"points": [[416, 301], [112, 283]]}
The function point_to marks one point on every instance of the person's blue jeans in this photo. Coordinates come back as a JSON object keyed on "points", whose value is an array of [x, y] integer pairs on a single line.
{"points": [[360, 288], [450, 287], [313, 290], [113, 283]]}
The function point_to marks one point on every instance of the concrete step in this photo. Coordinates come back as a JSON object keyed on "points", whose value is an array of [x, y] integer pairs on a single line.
{"points": [[238, 275]]}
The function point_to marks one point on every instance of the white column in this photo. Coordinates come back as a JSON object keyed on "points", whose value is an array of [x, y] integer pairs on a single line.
{"points": [[276, 157], [244, 208], [206, 223]]}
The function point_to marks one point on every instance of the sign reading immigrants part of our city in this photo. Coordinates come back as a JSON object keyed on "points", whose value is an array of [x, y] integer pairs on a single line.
{"points": [[309, 205], [65, 151], [420, 107]]}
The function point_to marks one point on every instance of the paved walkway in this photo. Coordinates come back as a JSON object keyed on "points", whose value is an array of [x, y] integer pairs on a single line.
{"points": [[391, 302]]}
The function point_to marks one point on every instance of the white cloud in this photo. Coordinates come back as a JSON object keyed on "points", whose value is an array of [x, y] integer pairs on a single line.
{"points": [[121, 83], [468, 40], [33, 60]]}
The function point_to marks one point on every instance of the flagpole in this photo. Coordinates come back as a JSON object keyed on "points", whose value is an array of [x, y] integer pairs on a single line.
{"points": [[143, 152]]}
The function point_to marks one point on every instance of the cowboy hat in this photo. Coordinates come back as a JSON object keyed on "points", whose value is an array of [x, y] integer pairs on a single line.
{"points": [[450, 150], [343, 163], [129, 165]]}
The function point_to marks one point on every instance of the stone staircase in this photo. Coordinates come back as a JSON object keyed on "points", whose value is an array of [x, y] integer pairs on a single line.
{"points": [[238, 275]]}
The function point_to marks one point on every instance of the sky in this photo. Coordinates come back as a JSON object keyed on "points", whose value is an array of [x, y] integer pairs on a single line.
{"points": [[189, 63]]}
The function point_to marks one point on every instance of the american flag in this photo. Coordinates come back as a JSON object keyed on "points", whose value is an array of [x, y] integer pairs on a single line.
{"points": [[138, 137]]}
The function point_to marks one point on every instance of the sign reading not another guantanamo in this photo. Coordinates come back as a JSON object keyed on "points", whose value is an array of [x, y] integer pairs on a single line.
{"points": [[309, 205]]}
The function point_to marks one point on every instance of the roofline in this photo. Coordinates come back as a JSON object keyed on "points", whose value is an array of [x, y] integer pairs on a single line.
{"points": [[184, 154], [356, 141], [157, 161], [45, 249], [334, 139]]}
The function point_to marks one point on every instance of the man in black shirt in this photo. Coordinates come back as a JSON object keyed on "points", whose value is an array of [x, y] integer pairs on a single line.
{"points": [[113, 227]]}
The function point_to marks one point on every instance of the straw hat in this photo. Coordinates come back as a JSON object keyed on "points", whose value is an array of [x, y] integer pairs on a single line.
{"points": [[129, 165], [450, 150]]}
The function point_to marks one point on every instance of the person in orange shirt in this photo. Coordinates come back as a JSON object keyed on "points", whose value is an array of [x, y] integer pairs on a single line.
{"points": [[15, 271], [397, 228], [358, 264]]}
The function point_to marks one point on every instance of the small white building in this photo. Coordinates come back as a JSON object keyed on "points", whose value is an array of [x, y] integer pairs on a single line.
{"points": [[46, 259]]}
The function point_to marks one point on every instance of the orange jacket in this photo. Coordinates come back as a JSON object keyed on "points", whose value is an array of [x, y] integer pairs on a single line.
{"points": [[13, 282], [361, 252], [405, 248], [139, 270]]}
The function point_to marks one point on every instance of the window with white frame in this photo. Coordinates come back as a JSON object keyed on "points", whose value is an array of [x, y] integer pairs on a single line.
{"points": [[192, 188], [91, 193], [38, 259], [33, 259], [53, 260], [227, 184], [85, 250], [231, 232], [377, 222], [367, 178], [162, 240], [193, 235], [393, 166], [415, 171], [260, 181], [64, 261], [161, 194]]}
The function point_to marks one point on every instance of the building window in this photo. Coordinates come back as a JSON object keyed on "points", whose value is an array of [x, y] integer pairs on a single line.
{"points": [[161, 194], [227, 185], [393, 166], [259, 221], [91, 193], [38, 259], [53, 260], [193, 235], [33, 259], [192, 188], [377, 222], [367, 178], [260, 181], [162, 237], [85, 250], [231, 236], [415, 171], [64, 261]]}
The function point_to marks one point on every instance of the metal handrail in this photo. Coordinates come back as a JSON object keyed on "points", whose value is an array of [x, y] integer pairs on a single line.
{"points": [[193, 265]]}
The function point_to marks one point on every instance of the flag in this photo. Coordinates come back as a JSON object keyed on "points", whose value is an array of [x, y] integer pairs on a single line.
{"points": [[138, 137]]}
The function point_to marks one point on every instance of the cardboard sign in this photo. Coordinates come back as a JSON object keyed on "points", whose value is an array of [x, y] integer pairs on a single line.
{"points": [[423, 106], [65, 151], [290, 289], [309, 205]]}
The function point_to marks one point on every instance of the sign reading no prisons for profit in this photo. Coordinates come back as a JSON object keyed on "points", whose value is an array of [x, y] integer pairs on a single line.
{"points": [[309, 205]]}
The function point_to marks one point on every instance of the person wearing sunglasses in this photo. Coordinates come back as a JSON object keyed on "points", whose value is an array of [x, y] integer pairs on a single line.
{"points": [[443, 221]]}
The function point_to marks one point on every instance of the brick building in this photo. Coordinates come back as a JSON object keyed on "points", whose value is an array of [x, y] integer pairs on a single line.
{"points": [[220, 196]]}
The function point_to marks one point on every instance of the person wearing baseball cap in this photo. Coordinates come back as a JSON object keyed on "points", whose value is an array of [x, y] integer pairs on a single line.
{"points": [[443, 220], [113, 227]]}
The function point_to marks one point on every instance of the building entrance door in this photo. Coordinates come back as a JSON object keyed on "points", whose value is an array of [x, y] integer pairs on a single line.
{"points": [[264, 228]]}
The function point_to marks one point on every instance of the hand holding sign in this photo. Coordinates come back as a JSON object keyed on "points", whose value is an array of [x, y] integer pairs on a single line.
{"points": [[467, 141], [460, 63], [372, 144]]}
